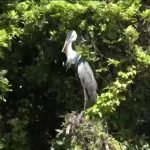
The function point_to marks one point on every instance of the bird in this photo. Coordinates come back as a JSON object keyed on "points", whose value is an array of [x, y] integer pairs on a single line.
{"points": [[84, 70]]}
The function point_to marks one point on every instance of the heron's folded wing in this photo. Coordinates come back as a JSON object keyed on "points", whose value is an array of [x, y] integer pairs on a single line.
{"points": [[87, 79]]}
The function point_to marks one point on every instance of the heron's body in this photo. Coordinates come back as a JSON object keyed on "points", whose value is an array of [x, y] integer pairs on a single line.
{"points": [[88, 81], [84, 71]]}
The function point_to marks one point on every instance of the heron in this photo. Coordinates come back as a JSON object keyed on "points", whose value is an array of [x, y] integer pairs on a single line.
{"points": [[83, 68]]}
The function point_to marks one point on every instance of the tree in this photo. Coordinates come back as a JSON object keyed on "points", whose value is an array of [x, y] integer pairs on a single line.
{"points": [[35, 88]]}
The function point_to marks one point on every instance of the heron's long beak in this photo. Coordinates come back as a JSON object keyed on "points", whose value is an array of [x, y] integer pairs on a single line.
{"points": [[64, 47]]}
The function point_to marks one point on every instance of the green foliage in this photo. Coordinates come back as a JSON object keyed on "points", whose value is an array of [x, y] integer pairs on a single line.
{"points": [[131, 34], [4, 85], [3, 38], [145, 14], [116, 45], [141, 56], [18, 137], [114, 93]]}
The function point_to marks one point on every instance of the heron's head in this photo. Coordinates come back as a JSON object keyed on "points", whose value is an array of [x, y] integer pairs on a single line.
{"points": [[71, 37]]}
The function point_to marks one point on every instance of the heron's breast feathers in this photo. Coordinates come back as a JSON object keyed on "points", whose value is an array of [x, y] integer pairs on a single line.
{"points": [[73, 57]]}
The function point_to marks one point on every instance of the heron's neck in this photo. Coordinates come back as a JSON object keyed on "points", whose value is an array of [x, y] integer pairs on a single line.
{"points": [[69, 49]]}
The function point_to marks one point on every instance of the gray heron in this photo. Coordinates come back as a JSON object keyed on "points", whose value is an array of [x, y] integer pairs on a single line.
{"points": [[84, 70]]}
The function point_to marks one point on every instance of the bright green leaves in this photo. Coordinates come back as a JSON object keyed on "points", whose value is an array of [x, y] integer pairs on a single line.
{"points": [[87, 52], [114, 93], [131, 11], [113, 62], [131, 34], [23, 6], [28, 11], [13, 15], [29, 16], [4, 85], [141, 56], [4, 37], [146, 14]]}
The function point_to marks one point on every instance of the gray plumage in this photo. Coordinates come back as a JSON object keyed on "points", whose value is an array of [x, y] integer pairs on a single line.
{"points": [[88, 81]]}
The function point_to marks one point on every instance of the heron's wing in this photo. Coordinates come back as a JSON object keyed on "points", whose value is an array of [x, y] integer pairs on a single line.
{"points": [[87, 80]]}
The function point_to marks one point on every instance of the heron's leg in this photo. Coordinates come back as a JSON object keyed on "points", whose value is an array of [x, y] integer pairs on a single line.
{"points": [[79, 117], [68, 65], [85, 99]]}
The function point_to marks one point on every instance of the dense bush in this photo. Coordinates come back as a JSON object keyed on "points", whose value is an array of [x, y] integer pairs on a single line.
{"points": [[36, 90]]}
